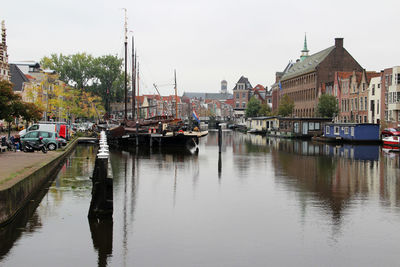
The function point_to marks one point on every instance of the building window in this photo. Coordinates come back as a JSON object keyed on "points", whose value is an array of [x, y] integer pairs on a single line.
{"points": [[237, 104], [366, 103], [361, 104], [243, 104], [346, 130], [237, 95], [243, 95], [373, 89], [365, 119], [336, 129], [316, 126], [377, 106], [327, 130], [379, 85]]}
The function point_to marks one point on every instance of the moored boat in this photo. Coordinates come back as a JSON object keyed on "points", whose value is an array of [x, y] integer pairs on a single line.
{"points": [[392, 141]]}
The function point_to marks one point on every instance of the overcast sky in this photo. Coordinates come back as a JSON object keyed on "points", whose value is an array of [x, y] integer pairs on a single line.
{"points": [[205, 41]]}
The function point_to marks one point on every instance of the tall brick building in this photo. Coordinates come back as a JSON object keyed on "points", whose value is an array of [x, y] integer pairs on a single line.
{"points": [[4, 67], [241, 96], [313, 74]]}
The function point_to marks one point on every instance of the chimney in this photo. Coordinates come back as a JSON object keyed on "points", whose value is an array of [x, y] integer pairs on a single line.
{"points": [[339, 42]]}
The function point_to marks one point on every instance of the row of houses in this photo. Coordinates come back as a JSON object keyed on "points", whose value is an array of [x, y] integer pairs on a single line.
{"points": [[362, 96]]}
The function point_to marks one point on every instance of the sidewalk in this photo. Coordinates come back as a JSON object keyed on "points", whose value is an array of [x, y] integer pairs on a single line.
{"points": [[14, 166]]}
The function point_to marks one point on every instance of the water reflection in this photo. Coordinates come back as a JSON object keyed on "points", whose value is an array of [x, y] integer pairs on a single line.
{"points": [[251, 205], [73, 178], [102, 237], [336, 176]]}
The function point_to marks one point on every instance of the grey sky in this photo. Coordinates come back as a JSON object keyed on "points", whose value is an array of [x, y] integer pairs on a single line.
{"points": [[206, 41]]}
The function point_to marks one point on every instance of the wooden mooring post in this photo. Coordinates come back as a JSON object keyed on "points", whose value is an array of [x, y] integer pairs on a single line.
{"points": [[219, 138], [101, 205]]}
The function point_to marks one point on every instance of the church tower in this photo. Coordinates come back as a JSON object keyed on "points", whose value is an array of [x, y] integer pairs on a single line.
{"points": [[4, 67], [304, 52]]}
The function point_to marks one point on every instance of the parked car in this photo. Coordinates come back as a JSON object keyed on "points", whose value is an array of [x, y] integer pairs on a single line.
{"points": [[50, 139], [390, 132], [39, 126]]}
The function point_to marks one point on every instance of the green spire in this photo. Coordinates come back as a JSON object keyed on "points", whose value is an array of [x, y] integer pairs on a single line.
{"points": [[304, 52], [305, 44]]}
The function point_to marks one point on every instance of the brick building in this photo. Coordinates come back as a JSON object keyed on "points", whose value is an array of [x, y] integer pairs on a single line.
{"points": [[392, 90], [313, 75], [275, 88], [351, 90], [4, 66], [241, 96]]}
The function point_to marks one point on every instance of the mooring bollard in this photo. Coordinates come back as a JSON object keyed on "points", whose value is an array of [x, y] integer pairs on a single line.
{"points": [[219, 138], [137, 133]]}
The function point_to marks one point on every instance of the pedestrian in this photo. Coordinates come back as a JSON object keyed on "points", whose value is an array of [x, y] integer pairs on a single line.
{"points": [[17, 142]]}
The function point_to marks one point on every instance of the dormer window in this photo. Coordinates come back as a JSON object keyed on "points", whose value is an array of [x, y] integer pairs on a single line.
{"points": [[240, 86]]}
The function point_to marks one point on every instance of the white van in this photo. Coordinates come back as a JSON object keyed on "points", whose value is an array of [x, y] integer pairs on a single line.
{"points": [[41, 127]]}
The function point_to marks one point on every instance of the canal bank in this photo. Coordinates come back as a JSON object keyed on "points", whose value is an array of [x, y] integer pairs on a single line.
{"points": [[23, 174]]}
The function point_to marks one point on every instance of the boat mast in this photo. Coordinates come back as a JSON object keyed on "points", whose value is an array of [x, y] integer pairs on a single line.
{"points": [[126, 66], [176, 97], [133, 79], [138, 82]]}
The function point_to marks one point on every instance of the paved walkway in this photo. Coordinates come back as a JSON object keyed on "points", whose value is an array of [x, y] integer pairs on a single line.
{"points": [[14, 166]]}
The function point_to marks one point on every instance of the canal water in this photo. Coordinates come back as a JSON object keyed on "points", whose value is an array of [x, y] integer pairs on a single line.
{"points": [[263, 202]]}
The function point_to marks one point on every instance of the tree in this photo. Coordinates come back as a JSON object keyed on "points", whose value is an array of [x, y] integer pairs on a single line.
{"points": [[102, 76], [11, 106], [265, 110], [286, 106], [108, 80], [31, 112], [76, 70], [253, 107], [7, 100], [327, 106]]}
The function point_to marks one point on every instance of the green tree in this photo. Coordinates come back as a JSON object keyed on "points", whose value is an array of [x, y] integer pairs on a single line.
{"points": [[253, 107], [286, 106], [327, 106], [108, 82], [265, 110], [102, 76], [76, 70]]}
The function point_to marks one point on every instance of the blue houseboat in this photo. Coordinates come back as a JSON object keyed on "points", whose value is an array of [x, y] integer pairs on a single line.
{"points": [[353, 132]]}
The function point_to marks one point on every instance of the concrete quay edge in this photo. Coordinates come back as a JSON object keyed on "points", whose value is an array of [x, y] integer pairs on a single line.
{"points": [[15, 197]]}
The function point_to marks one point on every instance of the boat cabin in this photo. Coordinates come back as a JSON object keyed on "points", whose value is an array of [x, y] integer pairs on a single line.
{"points": [[352, 131], [262, 124], [302, 127]]}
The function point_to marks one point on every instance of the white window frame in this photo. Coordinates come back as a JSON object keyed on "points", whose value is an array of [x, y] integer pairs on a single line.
{"points": [[337, 130]]}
